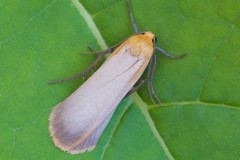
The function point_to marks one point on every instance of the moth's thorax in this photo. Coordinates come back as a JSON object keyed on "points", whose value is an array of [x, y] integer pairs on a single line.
{"points": [[142, 50], [141, 45]]}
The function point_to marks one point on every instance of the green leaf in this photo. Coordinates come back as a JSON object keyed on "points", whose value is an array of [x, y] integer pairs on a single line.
{"points": [[199, 114]]}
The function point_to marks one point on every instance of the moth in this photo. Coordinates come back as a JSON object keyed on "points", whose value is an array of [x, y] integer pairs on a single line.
{"points": [[77, 123]]}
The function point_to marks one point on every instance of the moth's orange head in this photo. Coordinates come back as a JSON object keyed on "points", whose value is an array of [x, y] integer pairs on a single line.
{"points": [[148, 37]]}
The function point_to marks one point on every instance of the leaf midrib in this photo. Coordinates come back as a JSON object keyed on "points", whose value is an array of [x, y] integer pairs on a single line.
{"points": [[197, 102], [93, 28]]}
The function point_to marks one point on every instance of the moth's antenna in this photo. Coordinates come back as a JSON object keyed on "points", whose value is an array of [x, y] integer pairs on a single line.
{"points": [[131, 17]]}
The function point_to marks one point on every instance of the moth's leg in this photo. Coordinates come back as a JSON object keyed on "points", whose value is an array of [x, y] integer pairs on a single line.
{"points": [[83, 73], [135, 88], [135, 27], [93, 51], [151, 70], [162, 51]]}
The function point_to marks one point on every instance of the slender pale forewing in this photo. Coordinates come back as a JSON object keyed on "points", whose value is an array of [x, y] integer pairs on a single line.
{"points": [[86, 112]]}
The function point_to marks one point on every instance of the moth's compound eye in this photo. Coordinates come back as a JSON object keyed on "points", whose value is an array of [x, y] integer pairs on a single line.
{"points": [[154, 40]]}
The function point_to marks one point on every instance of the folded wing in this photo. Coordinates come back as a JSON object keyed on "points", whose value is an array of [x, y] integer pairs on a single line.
{"points": [[77, 123]]}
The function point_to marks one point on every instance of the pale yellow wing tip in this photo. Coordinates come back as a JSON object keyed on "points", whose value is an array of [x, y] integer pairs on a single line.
{"points": [[81, 150], [56, 141]]}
